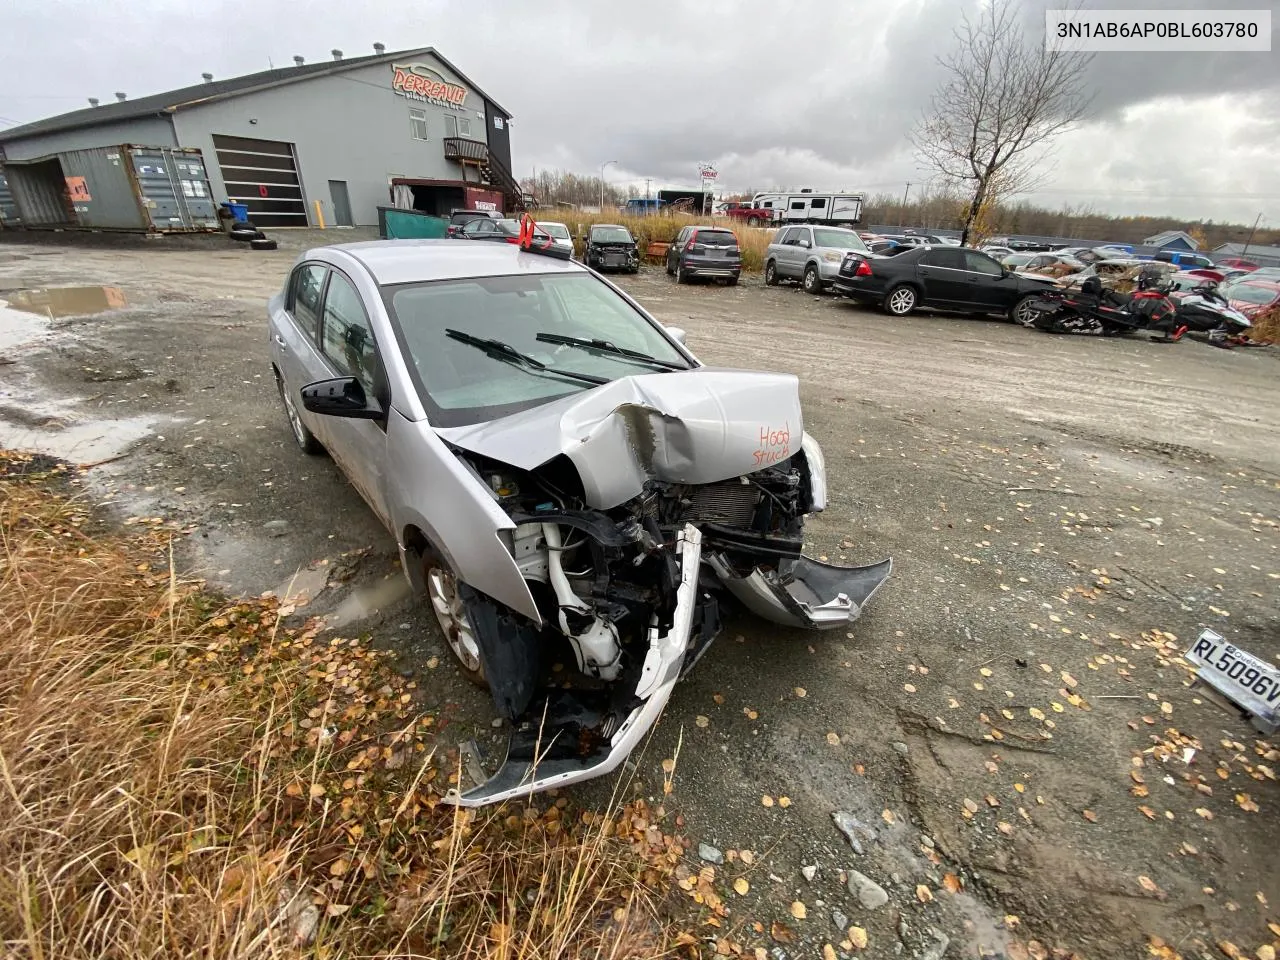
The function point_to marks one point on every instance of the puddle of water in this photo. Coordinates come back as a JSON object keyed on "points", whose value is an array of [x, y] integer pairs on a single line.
{"points": [[57, 302], [58, 430], [17, 328], [366, 600]]}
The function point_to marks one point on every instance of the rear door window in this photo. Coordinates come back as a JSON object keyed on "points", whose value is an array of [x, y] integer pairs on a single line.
{"points": [[304, 297], [950, 259]]}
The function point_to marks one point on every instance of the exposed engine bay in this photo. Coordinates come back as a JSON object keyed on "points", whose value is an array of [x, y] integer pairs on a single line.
{"points": [[632, 594]]}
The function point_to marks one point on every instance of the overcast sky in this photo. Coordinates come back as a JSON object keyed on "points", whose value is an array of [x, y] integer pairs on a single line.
{"points": [[774, 93]]}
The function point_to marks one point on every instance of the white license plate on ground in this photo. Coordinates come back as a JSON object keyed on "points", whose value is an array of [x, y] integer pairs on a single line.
{"points": [[1249, 681]]}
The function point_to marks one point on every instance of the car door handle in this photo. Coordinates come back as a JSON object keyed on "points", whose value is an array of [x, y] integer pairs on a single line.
{"points": [[279, 340]]}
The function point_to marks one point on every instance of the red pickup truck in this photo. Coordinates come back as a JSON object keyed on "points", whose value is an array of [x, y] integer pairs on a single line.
{"points": [[753, 216]]}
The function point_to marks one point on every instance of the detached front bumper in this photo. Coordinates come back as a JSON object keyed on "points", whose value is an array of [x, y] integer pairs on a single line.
{"points": [[810, 594], [536, 762]]}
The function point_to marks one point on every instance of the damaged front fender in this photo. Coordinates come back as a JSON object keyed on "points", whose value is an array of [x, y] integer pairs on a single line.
{"points": [[572, 739]]}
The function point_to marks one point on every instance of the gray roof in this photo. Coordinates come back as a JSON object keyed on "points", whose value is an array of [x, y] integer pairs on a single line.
{"points": [[1237, 250], [172, 100], [1164, 236], [420, 261]]}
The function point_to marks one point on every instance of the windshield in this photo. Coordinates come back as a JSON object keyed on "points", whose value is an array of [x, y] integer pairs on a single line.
{"points": [[1251, 293], [557, 230], [460, 384], [610, 235], [840, 239]]}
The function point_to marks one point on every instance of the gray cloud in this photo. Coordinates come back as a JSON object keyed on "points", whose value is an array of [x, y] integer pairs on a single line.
{"points": [[779, 93]]}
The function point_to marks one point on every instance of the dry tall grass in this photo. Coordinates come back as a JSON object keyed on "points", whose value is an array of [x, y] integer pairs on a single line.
{"points": [[661, 227], [1266, 326], [183, 778]]}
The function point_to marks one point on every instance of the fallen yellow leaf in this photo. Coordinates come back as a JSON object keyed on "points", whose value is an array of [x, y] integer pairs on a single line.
{"points": [[1005, 828], [767, 800], [952, 882], [970, 805], [833, 738], [985, 671], [1245, 802], [1036, 713], [1148, 885], [801, 692], [798, 909], [701, 721], [858, 937], [828, 952], [887, 815], [747, 857], [909, 687], [1266, 952], [784, 802], [923, 893], [741, 886], [1090, 816]]}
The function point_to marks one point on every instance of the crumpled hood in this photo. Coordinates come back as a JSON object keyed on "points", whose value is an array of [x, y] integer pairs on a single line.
{"points": [[695, 426]]}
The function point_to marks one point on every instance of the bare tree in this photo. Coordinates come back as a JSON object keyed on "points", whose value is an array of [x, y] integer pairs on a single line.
{"points": [[1005, 97]]}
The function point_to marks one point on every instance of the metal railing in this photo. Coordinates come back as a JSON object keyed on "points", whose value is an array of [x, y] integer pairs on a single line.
{"points": [[466, 150]]}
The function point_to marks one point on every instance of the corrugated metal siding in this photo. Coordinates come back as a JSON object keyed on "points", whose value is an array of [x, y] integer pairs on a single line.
{"points": [[8, 211], [39, 193], [108, 200]]}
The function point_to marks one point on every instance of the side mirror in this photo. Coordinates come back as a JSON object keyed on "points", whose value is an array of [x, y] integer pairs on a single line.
{"points": [[677, 333], [806, 244], [341, 397]]}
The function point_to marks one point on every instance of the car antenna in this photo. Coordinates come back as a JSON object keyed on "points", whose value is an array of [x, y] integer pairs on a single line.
{"points": [[544, 245]]}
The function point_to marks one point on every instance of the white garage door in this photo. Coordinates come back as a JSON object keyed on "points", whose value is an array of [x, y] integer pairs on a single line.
{"points": [[263, 175]]}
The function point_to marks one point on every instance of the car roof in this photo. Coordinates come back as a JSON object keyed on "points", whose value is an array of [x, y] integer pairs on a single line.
{"points": [[420, 261], [612, 226], [1264, 282]]}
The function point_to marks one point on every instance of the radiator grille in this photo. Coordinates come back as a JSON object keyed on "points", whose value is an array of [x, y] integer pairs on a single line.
{"points": [[732, 504]]}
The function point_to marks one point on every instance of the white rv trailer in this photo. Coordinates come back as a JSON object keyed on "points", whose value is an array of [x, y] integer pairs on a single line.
{"points": [[805, 206]]}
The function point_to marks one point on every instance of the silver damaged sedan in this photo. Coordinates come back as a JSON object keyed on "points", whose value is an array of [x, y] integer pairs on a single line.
{"points": [[560, 473]]}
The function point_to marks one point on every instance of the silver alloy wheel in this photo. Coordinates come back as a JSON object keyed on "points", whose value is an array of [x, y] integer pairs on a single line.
{"points": [[679, 272], [811, 282], [770, 273], [295, 421], [446, 601], [901, 301], [1022, 312]]}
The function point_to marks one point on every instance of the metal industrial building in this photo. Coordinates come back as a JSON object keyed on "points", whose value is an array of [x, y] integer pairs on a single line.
{"points": [[332, 140]]}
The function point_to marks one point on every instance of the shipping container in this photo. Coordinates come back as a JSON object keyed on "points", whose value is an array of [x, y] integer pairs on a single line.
{"points": [[8, 212], [130, 188]]}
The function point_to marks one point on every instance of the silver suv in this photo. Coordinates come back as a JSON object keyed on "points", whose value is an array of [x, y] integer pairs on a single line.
{"points": [[810, 254]]}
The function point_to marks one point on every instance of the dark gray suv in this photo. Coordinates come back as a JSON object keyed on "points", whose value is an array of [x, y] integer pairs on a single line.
{"points": [[705, 252]]}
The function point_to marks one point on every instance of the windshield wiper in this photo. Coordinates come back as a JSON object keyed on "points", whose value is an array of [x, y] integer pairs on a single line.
{"points": [[604, 346], [509, 354]]}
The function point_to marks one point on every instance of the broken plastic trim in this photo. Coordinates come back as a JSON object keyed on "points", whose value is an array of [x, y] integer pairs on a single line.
{"points": [[812, 595], [661, 669]]}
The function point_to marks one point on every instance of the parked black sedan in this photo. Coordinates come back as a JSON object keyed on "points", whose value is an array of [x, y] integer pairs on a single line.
{"points": [[951, 278], [611, 247]]}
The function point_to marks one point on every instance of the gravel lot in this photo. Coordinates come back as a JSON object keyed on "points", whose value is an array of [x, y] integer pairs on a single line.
{"points": [[1007, 721]]}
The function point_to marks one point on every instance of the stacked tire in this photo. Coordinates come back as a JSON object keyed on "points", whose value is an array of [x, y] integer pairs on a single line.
{"points": [[246, 232]]}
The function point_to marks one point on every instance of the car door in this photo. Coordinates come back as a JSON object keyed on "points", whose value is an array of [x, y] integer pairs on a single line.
{"points": [[673, 251], [294, 336], [942, 276], [349, 349], [793, 245], [990, 285]]}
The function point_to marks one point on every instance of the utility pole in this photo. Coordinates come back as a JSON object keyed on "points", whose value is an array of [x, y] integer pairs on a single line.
{"points": [[902, 220], [1249, 239]]}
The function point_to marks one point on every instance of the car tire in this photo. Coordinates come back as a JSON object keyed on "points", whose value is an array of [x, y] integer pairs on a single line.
{"points": [[681, 276], [305, 439], [732, 281], [900, 300], [263, 243], [1021, 313], [243, 235], [450, 609], [811, 282], [770, 274]]}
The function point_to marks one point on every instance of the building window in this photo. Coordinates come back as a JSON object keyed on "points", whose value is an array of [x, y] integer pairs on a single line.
{"points": [[418, 123], [455, 126]]}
